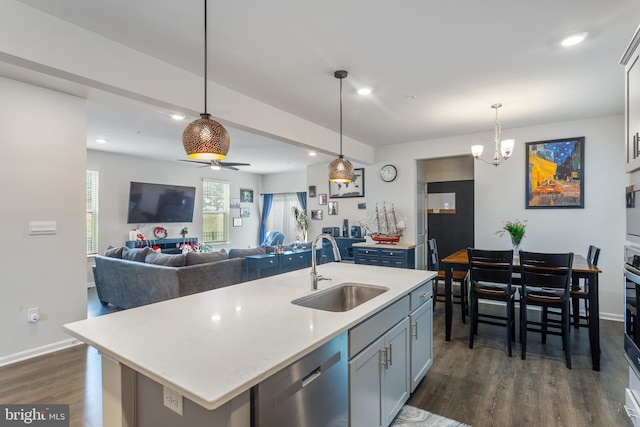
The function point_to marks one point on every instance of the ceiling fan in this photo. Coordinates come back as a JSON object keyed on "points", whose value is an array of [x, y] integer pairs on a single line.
{"points": [[216, 164]]}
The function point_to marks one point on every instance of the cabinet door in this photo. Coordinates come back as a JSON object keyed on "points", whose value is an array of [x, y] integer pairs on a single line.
{"points": [[396, 384], [421, 352], [365, 386], [633, 113]]}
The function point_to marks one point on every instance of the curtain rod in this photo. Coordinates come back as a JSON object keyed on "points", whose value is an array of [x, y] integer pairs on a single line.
{"points": [[285, 192]]}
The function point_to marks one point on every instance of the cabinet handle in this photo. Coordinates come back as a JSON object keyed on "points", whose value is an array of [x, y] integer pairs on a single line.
{"points": [[414, 330], [390, 253], [424, 294], [290, 259], [631, 413], [390, 355], [270, 261], [384, 357], [636, 145]]}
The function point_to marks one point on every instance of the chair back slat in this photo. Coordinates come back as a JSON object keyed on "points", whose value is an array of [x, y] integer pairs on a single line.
{"points": [[546, 270], [433, 261], [593, 255], [490, 266]]}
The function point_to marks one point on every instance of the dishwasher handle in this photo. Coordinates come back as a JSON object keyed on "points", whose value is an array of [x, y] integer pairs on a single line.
{"points": [[311, 376]]}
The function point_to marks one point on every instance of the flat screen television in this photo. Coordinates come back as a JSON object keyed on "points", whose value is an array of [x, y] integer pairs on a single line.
{"points": [[158, 203]]}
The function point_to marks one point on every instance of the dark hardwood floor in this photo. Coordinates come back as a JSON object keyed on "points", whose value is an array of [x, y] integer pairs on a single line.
{"points": [[480, 386]]}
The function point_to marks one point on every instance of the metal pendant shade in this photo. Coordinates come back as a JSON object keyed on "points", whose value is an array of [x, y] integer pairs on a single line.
{"points": [[341, 169], [205, 138]]}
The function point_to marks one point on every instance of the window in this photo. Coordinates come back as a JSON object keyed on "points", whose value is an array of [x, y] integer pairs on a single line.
{"points": [[92, 211], [215, 212], [281, 217]]}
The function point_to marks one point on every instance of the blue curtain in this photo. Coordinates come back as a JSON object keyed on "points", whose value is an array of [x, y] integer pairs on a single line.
{"points": [[302, 198], [267, 200]]}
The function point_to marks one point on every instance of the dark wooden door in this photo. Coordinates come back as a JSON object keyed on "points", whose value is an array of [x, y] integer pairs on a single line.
{"points": [[452, 231]]}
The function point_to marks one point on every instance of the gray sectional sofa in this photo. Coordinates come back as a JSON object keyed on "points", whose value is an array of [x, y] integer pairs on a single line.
{"points": [[127, 278]]}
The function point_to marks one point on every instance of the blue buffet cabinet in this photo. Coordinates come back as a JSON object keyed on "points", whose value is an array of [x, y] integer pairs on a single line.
{"points": [[398, 255]]}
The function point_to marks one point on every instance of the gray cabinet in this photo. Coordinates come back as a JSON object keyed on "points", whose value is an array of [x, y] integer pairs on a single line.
{"points": [[421, 327], [379, 380], [631, 61]]}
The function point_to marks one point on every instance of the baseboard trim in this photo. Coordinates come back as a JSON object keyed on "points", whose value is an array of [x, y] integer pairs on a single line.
{"points": [[38, 351]]}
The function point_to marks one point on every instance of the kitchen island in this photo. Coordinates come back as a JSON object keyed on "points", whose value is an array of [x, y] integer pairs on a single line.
{"points": [[211, 348]]}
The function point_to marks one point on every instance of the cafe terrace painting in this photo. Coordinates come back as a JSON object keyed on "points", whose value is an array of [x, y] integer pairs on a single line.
{"points": [[555, 173]]}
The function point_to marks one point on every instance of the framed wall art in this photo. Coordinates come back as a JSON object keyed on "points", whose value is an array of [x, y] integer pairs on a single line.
{"points": [[322, 199], [333, 208], [555, 173], [316, 214], [354, 188], [237, 221], [246, 195]]}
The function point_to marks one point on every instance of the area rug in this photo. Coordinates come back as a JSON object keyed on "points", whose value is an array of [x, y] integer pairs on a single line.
{"points": [[410, 416]]}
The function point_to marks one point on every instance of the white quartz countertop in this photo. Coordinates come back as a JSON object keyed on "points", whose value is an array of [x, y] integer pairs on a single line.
{"points": [[213, 346]]}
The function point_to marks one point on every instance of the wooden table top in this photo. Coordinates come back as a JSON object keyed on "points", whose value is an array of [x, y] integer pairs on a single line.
{"points": [[580, 263]]}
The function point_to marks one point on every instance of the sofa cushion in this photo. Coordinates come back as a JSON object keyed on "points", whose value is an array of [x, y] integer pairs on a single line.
{"points": [[194, 258], [169, 260], [112, 252], [136, 254], [241, 253]]}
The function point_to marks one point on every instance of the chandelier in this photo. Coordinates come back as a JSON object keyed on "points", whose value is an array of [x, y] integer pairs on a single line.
{"points": [[503, 149]]}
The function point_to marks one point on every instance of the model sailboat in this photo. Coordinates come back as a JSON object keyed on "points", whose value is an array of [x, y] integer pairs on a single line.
{"points": [[384, 224]]}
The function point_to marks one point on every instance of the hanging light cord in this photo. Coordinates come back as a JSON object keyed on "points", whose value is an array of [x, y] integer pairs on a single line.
{"points": [[341, 117], [205, 56]]}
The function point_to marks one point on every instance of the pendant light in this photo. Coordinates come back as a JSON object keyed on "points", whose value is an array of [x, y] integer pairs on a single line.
{"points": [[205, 138], [503, 149], [341, 169]]}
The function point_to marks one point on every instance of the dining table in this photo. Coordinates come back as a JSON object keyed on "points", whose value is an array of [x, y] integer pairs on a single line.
{"points": [[581, 269]]}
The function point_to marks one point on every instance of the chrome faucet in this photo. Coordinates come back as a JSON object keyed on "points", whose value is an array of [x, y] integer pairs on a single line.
{"points": [[315, 277]]}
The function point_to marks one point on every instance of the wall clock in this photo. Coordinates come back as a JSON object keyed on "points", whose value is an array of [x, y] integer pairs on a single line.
{"points": [[388, 173]]}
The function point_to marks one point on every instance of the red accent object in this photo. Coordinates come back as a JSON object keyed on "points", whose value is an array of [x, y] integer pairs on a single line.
{"points": [[383, 238]]}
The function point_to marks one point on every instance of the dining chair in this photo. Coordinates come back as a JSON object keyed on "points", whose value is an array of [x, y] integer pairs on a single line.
{"points": [[546, 282], [490, 273], [458, 276], [580, 292]]}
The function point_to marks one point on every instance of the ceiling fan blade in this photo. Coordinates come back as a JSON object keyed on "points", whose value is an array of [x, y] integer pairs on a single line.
{"points": [[230, 167], [233, 164], [195, 161]]}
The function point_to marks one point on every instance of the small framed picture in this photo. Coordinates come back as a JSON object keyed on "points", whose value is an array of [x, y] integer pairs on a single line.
{"points": [[312, 191], [316, 214], [245, 212], [322, 199], [246, 195], [237, 221], [333, 208], [234, 203]]}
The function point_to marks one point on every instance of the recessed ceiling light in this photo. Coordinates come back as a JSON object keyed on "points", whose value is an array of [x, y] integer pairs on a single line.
{"points": [[573, 39], [178, 116], [364, 91], [101, 141], [312, 153]]}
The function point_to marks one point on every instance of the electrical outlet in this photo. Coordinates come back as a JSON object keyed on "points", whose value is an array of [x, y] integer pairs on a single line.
{"points": [[33, 315], [172, 400]]}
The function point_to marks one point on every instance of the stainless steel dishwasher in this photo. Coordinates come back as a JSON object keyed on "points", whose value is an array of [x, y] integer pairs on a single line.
{"points": [[311, 392]]}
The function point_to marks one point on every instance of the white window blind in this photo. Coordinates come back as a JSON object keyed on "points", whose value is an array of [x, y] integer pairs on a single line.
{"points": [[215, 212], [93, 198]]}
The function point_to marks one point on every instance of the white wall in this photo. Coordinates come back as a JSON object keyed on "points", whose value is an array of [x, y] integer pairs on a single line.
{"points": [[117, 171], [42, 170], [499, 194], [347, 208]]}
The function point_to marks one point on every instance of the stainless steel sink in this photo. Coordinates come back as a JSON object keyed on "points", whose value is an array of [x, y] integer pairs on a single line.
{"points": [[343, 297]]}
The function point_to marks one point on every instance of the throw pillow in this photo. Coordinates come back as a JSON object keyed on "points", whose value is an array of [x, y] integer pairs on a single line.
{"points": [[241, 253], [112, 252], [135, 254], [168, 260], [194, 258]]}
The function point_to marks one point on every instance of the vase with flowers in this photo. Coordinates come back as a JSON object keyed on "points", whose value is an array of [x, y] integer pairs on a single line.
{"points": [[516, 230], [184, 232]]}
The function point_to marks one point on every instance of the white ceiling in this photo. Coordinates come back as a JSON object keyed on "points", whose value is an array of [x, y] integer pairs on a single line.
{"points": [[435, 67]]}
